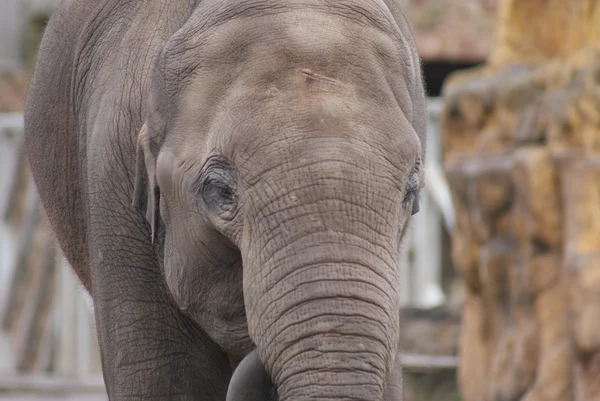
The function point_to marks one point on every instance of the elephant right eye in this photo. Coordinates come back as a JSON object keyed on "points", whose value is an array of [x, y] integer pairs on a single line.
{"points": [[218, 189]]}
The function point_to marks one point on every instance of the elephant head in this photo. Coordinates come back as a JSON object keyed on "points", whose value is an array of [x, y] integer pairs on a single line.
{"points": [[282, 157]]}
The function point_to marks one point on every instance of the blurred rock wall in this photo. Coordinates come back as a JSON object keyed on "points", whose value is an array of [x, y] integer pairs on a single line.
{"points": [[453, 30], [522, 154]]}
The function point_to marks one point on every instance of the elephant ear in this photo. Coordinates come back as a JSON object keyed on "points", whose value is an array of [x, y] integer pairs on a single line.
{"points": [[146, 195]]}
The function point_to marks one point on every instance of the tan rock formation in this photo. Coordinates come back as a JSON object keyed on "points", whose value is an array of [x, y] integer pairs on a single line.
{"points": [[522, 153]]}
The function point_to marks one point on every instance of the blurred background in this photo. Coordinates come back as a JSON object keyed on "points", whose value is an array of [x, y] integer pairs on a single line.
{"points": [[500, 300]]}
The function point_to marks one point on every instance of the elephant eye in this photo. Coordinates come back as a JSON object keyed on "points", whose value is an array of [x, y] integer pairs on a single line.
{"points": [[412, 193], [218, 189]]}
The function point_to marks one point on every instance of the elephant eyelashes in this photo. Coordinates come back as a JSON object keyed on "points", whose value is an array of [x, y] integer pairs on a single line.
{"points": [[218, 190]]}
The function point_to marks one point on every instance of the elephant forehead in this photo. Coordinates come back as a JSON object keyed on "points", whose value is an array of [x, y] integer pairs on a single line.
{"points": [[260, 88], [324, 127], [341, 40], [374, 12]]}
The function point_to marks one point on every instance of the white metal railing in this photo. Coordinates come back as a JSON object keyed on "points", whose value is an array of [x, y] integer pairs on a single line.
{"points": [[73, 334]]}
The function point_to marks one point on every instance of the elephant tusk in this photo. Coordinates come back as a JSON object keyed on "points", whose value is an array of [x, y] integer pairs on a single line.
{"points": [[250, 381]]}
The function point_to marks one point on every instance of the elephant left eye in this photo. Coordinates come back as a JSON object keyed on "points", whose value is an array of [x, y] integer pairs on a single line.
{"points": [[414, 196], [412, 193]]}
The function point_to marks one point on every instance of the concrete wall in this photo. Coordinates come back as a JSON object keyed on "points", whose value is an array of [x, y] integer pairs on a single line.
{"points": [[40, 6], [14, 15], [11, 27]]}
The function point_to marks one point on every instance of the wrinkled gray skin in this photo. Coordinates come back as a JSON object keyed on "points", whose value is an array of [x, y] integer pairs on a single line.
{"points": [[224, 175]]}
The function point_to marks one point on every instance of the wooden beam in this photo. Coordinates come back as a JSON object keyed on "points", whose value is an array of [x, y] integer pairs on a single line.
{"points": [[20, 270], [428, 363], [35, 319]]}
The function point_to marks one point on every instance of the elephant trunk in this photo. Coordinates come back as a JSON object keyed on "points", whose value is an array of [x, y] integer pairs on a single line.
{"points": [[336, 346], [321, 282], [327, 328]]}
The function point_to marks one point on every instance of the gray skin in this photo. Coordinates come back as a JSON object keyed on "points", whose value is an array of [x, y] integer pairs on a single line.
{"points": [[228, 175]]}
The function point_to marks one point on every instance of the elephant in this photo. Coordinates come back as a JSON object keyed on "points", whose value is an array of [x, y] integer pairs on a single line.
{"points": [[231, 181]]}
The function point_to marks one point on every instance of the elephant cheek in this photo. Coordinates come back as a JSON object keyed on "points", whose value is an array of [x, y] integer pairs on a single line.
{"points": [[174, 268]]}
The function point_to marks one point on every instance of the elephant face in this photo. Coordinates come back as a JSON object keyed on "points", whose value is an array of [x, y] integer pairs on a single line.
{"points": [[284, 157]]}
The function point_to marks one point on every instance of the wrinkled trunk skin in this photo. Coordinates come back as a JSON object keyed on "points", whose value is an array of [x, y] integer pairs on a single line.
{"points": [[321, 287]]}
